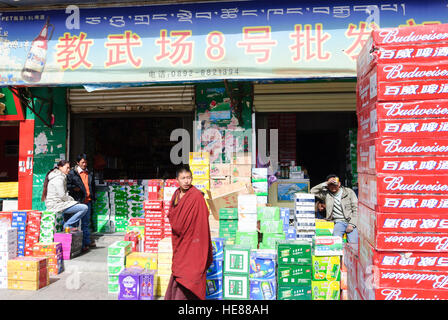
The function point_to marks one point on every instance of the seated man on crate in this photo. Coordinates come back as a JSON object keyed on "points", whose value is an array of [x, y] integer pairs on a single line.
{"points": [[192, 246], [341, 205]]}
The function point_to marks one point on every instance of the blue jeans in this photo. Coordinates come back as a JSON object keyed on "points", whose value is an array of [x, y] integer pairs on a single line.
{"points": [[78, 211], [339, 230], [85, 225]]}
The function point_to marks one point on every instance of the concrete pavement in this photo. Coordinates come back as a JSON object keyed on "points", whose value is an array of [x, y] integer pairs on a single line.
{"points": [[84, 277]]}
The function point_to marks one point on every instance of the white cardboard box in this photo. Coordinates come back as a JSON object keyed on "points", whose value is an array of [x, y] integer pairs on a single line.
{"points": [[247, 203]]}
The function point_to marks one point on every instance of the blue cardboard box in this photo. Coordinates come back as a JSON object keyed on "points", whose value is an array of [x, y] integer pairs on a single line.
{"points": [[214, 272], [262, 264], [263, 290], [291, 233], [218, 248], [213, 289]]}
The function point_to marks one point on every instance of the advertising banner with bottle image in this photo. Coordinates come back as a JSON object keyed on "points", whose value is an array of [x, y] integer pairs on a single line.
{"points": [[197, 41]]}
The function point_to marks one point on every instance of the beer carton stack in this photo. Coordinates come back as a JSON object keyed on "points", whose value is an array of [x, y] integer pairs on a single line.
{"points": [[326, 268], [169, 187], [118, 193], [260, 184], [402, 93], [214, 276], [101, 210], [219, 176], [71, 243], [28, 273], [49, 223], [154, 189], [136, 283], [304, 217], [135, 232], [294, 271], [8, 251], [262, 275], [135, 199], [289, 231], [241, 167], [228, 224], [200, 170], [54, 255], [167, 230], [154, 220], [247, 232], [143, 260], [32, 231], [164, 263], [19, 222], [271, 226], [236, 273], [116, 261], [350, 259]]}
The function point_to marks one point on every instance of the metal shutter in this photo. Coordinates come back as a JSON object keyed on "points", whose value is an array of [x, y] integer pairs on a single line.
{"points": [[301, 97], [133, 99]]}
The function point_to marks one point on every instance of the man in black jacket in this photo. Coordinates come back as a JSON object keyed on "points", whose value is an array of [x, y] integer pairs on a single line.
{"points": [[81, 186]]}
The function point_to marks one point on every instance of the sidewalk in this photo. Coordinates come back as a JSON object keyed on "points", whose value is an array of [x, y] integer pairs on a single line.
{"points": [[84, 278]]}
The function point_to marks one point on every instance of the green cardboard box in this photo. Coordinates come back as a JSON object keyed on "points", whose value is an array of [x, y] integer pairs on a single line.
{"points": [[294, 292], [294, 252], [269, 239], [114, 270], [325, 290], [294, 275], [120, 248], [236, 287], [113, 279], [236, 259], [249, 238], [271, 226], [268, 213], [116, 261], [113, 287], [228, 213], [327, 268]]}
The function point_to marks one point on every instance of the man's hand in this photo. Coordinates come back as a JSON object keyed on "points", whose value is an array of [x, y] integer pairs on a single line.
{"points": [[333, 181], [349, 228]]}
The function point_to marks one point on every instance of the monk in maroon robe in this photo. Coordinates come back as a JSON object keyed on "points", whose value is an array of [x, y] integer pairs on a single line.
{"points": [[192, 247]]}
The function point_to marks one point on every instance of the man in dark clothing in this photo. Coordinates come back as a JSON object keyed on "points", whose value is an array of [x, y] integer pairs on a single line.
{"points": [[81, 186]]}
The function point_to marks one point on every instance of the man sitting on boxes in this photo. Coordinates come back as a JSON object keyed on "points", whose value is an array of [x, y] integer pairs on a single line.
{"points": [[192, 246], [341, 205]]}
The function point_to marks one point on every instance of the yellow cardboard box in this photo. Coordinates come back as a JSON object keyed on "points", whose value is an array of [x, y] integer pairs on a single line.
{"points": [[164, 269], [27, 285], [165, 257], [27, 275], [202, 185], [27, 263], [199, 158], [142, 259], [200, 172]]}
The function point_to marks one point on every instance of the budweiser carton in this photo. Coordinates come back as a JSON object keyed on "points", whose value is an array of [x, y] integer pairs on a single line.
{"points": [[404, 128], [415, 165], [153, 205], [400, 39], [406, 294], [416, 242], [425, 261], [399, 54], [397, 203], [395, 147], [370, 223]]}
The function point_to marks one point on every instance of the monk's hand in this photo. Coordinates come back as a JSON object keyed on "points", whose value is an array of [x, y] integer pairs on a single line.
{"points": [[349, 228]]}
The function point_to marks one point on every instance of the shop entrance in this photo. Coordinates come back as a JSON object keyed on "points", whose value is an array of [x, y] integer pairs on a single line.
{"points": [[9, 152]]}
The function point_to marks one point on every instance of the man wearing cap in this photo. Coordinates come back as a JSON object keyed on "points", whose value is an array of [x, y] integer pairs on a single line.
{"points": [[342, 207]]}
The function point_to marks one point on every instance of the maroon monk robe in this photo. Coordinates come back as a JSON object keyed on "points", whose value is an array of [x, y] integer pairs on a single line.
{"points": [[192, 247]]}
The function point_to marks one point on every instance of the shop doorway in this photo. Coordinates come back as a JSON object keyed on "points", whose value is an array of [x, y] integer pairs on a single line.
{"points": [[9, 152]]}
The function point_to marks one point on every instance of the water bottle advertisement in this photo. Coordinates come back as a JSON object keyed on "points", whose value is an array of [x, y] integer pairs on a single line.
{"points": [[194, 41]]}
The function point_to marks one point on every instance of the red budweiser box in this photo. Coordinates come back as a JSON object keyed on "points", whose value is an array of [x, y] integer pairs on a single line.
{"points": [[166, 204], [370, 223], [171, 183], [403, 40], [406, 294], [410, 203], [415, 242], [397, 147], [415, 165], [402, 183], [369, 91], [136, 222], [150, 249], [404, 128], [400, 54], [428, 261], [153, 205], [151, 215]]}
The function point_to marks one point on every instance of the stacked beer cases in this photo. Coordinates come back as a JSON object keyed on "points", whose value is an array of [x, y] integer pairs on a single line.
{"points": [[136, 283], [200, 170], [247, 213], [118, 195], [8, 250], [71, 243], [326, 268], [154, 221], [236, 273], [164, 263], [262, 274], [228, 224], [101, 210], [135, 198], [28, 273], [214, 276], [402, 97], [53, 253], [32, 231], [19, 222], [271, 226], [260, 184], [116, 261], [50, 223], [304, 218], [294, 258]]}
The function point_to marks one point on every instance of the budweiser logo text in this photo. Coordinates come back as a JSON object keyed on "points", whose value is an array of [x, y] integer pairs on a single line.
{"points": [[394, 146], [397, 110], [441, 241], [395, 72], [391, 36], [395, 183], [440, 281], [396, 294]]}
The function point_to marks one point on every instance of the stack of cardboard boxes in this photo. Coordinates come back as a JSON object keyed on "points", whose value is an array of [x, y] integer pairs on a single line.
{"points": [[271, 226], [8, 251], [118, 194], [228, 224], [262, 275], [260, 184], [219, 176], [214, 276], [164, 263], [53, 253], [305, 218], [236, 273], [294, 258], [71, 243], [19, 222], [32, 231], [241, 168], [50, 223], [101, 210], [28, 273], [136, 283], [154, 221], [326, 277], [116, 261]]}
